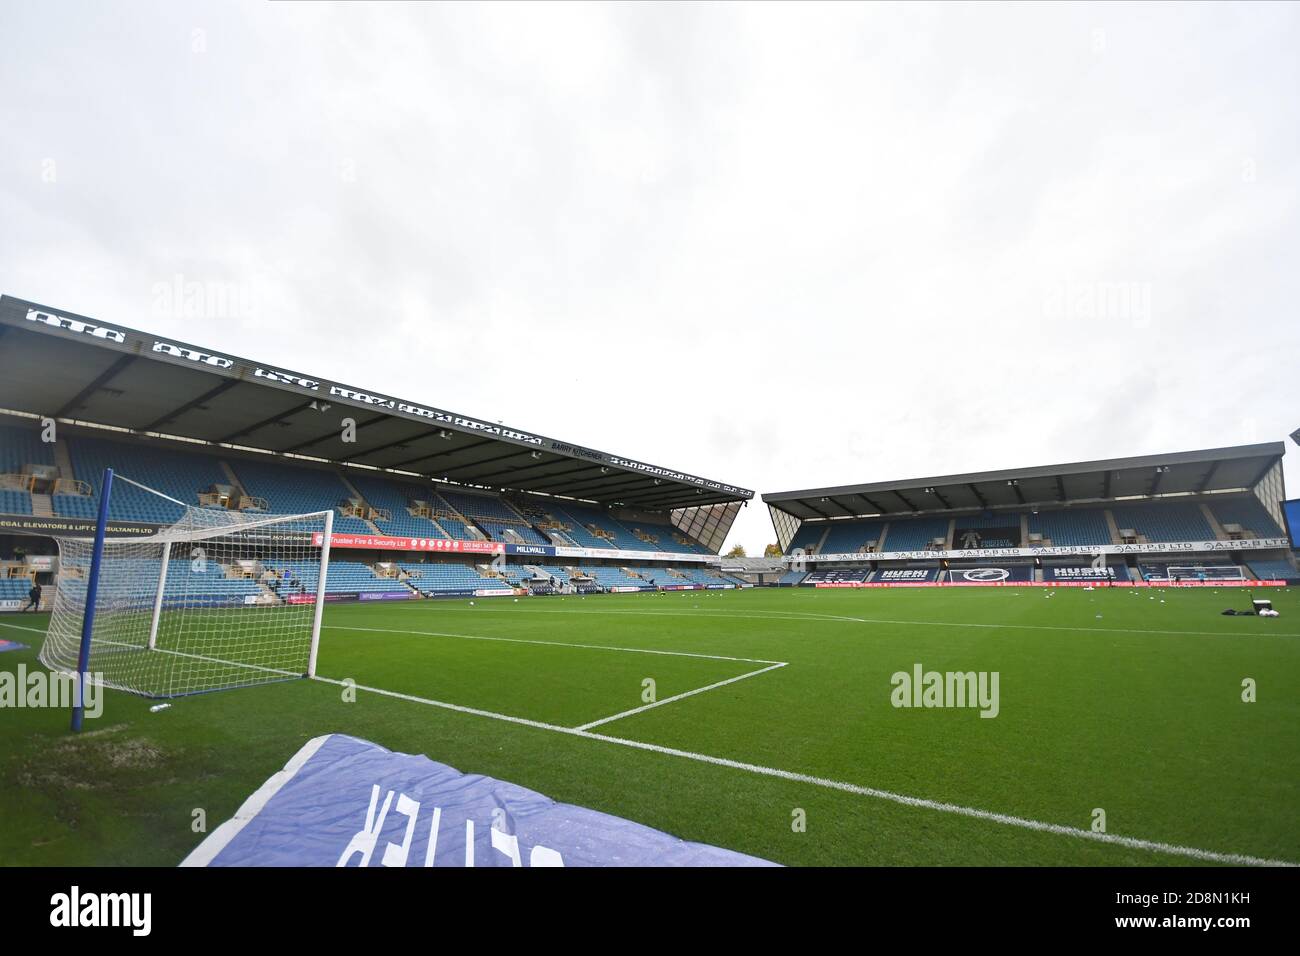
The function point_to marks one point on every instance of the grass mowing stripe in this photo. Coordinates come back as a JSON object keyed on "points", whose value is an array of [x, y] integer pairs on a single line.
{"points": [[1154, 846]]}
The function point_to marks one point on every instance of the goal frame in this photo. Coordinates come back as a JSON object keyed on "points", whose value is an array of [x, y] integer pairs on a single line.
{"points": [[92, 589], [1188, 572]]}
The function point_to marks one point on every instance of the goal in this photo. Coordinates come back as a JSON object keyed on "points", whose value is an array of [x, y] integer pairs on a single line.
{"points": [[1195, 573], [217, 599]]}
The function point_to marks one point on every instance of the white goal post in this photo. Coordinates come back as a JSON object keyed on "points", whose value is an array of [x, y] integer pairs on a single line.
{"points": [[217, 599]]}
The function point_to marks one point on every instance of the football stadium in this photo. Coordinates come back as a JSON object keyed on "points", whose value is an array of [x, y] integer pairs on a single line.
{"points": [[309, 624]]}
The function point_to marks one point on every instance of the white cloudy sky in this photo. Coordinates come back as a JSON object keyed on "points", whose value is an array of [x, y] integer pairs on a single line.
{"points": [[780, 246]]}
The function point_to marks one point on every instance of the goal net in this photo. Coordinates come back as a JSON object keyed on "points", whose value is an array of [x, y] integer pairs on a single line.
{"points": [[218, 599], [1195, 573]]}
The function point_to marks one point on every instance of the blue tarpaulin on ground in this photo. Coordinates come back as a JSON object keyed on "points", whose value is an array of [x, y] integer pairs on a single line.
{"points": [[342, 801]]}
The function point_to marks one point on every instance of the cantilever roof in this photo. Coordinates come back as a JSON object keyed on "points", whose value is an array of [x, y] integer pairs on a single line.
{"points": [[70, 366], [1213, 469]]}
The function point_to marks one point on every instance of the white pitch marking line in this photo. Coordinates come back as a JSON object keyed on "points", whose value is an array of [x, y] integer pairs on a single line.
{"points": [[782, 616], [588, 647], [740, 615], [675, 697], [1155, 846]]}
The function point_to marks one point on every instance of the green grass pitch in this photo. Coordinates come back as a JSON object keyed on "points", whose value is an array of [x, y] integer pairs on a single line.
{"points": [[1138, 712]]}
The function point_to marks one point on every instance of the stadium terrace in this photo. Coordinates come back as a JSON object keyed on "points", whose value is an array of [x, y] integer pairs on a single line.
{"points": [[1209, 517], [426, 502]]}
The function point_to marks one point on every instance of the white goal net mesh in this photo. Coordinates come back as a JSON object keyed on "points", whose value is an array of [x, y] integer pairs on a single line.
{"points": [[218, 599], [1204, 572]]}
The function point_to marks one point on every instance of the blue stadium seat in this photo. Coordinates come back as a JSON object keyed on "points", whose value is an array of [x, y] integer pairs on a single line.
{"points": [[852, 537], [914, 534], [1073, 528], [395, 496], [176, 474], [1164, 522], [1273, 570], [22, 446], [291, 489], [1249, 513]]}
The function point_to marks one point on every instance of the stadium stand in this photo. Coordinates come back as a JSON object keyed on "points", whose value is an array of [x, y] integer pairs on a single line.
{"points": [[792, 577], [15, 502], [1275, 570], [293, 490], [434, 577], [603, 531], [395, 497], [452, 521], [182, 476], [914, 534], [554, 571], [612, 577], [1164, 522], [556, 519], [14, 589], [1075, 528], [654, 537], [345, 577], [853, 537], [212, 585], [689, 575], [1249, 514], [807, 537], [657, 576], [22, 446], [492, 516]]}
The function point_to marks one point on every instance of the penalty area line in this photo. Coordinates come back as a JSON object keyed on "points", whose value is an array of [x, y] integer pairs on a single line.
{"points": [[676, 697], [585, 647], [776, 616], [1057, 829]]}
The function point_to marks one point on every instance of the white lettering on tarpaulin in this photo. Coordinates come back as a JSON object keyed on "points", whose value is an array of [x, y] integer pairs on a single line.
{"points": [[77, 909], [193, 355], [365, 841], [76, 325]]}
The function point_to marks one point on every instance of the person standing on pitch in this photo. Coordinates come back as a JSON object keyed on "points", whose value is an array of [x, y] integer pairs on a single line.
{"points": [[34, 598]]}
